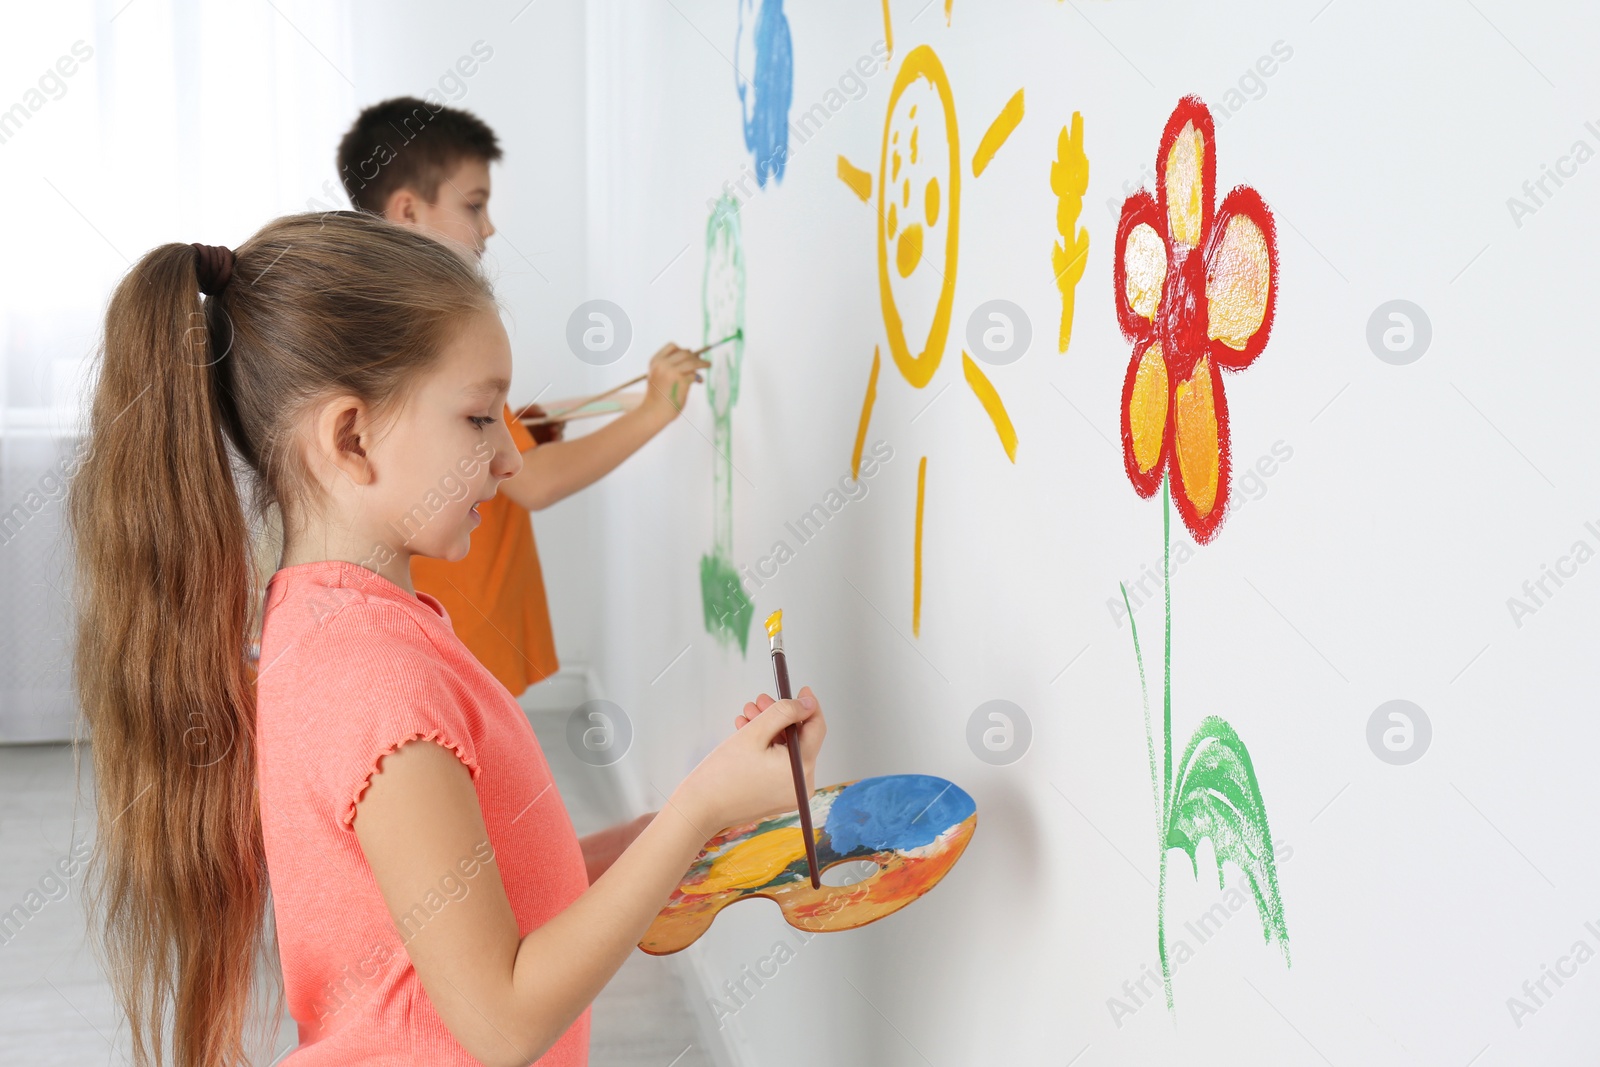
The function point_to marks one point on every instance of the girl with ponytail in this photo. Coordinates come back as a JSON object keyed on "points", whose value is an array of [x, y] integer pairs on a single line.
{"points": [[429, 900]]}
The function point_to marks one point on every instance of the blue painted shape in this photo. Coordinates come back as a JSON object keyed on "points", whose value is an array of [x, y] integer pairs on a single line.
{"points": [[895, 811], [764, 102]]}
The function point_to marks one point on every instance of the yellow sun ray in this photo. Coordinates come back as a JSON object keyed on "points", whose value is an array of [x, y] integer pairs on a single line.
{"points": [[916, 566], [990, 399], [859, 181], [866, 416], [996, 134], [888, 34]]}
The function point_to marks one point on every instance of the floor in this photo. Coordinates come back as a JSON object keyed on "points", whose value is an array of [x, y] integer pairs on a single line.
{"points": [[55, 1006]]}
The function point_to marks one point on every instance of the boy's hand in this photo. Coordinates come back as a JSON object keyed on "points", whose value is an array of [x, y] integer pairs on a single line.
{"points": [[673, 371], [550, 431]]}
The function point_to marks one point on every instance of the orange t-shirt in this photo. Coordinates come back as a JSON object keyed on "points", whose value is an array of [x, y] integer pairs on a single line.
{"points": [[352, 666], [495, 593]]}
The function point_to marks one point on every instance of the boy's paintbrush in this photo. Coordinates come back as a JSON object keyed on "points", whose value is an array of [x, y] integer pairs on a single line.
{"points": [[791, 735], [734, 336], [588, 410], [557, 415]]}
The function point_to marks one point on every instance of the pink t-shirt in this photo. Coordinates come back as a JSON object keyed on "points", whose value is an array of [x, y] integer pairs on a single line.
{"points": [[352, 666]]}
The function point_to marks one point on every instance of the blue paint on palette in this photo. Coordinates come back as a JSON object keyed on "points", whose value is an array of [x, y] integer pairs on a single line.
{"points": [[895, 811], [764, 100]]}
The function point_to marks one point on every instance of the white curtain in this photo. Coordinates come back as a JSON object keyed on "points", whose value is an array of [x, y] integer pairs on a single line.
{"points": [[125, 124]]}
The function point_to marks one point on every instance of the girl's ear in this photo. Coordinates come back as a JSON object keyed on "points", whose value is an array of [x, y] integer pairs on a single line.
{"points": [[347, 436], [341, 430]]}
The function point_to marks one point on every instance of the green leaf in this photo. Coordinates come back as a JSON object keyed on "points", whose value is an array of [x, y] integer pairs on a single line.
{"points": [[727, 609], [1217, 796]]}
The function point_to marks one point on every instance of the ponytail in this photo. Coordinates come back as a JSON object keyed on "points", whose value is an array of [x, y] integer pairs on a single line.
{"points": [[165, 586]]}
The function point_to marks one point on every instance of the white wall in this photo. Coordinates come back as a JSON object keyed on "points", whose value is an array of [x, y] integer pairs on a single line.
{"points": [[123, 130], [1375, 565]]}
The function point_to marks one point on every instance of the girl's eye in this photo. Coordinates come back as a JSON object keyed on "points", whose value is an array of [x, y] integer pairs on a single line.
{"points": [[482, 421]]}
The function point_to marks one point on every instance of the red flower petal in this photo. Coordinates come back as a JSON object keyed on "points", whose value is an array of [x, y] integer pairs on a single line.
{"points": [[1140, 208], [1146, 481], [1190, 110], [1202, 525], [1241, 257]]}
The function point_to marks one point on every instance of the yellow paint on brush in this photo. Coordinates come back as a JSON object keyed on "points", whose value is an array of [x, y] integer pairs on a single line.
{"points": [[775, 623], [754, 862]]}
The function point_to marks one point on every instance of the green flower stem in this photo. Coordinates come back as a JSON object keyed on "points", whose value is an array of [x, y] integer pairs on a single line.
{"points": [[1144, 692], [1166, 586], [1166, 733]]}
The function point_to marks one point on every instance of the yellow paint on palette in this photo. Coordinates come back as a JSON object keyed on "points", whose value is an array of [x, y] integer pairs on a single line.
{"points": [[775, 622], [866, 416], [996, 134], [859, 181], [1237, 283], [753, 862], [1198, 443], [990, 399], [909, 829]]}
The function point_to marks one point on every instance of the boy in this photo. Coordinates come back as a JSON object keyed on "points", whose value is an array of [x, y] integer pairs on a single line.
{"points": [[427, 166]]}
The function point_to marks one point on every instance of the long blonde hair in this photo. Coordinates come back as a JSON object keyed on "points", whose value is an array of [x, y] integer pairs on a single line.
{"points": [[193, 397]]}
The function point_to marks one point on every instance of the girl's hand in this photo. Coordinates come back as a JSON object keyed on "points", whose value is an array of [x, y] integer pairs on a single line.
{"points": [[672, 372], [747, 776]]}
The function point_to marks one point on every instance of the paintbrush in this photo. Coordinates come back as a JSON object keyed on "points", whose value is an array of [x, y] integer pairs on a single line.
{"points": [[791, 735], [627, 402], [556, 416], [736, 335]]}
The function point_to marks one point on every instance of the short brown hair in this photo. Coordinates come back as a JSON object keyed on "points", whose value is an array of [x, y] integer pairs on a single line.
{"points": [[409, 142]]}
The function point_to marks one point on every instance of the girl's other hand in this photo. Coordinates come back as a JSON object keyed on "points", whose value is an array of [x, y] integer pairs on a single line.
{"points": [[673, 371], [747, 776]]}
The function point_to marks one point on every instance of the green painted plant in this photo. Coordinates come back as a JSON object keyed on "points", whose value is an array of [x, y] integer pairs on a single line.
{"points": [[728, 611], [1196, 289]]}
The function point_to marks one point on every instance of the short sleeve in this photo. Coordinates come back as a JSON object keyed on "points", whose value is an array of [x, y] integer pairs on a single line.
{"points": [[385, 685], [519, 433]]}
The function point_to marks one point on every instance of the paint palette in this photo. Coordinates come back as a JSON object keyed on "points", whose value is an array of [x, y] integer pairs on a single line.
{"points": [[908, 830]]}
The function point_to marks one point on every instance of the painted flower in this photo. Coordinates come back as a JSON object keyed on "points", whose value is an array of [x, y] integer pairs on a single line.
{"points": [[1196, 285]]}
